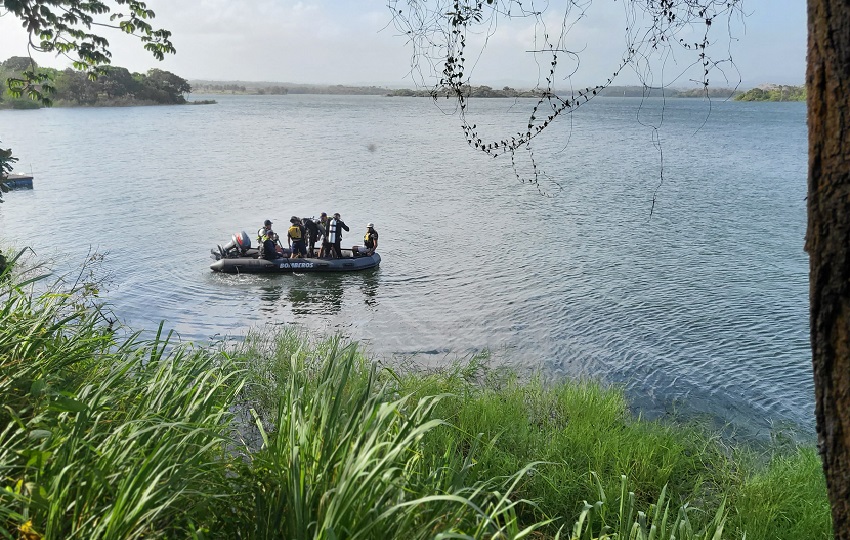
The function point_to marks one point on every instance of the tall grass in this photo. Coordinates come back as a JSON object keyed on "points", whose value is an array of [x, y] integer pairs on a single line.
{"points": [[344, 459], [785, 499], [105, 438], [114, 437], [575, 429], [580, 437]]}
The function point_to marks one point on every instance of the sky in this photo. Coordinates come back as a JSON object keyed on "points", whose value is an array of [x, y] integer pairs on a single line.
{"points": [[354, 42]]}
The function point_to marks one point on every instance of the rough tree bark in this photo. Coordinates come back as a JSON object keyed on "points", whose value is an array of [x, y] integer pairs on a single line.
{"points": [[828, 243]]}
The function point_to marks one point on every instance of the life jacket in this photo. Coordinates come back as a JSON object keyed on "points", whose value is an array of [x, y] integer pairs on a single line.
{"points": [[262, 234], [295, 232], [369, 239]]}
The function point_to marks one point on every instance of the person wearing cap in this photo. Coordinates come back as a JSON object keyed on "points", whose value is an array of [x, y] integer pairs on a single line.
{"points": [[370, 241], [263, 231], [335, 228], [295, 238], [268, 247]]}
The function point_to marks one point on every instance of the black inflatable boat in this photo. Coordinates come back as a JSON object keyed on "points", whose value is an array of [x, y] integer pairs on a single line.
{"points": [[238, 257]]}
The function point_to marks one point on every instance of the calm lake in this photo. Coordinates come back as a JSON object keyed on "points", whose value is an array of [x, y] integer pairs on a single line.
{"points": [[697, 304]]}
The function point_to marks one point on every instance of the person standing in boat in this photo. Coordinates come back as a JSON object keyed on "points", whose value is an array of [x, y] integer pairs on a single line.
{"points": [[325, 224], [263, 231], [312, 229], [335, 228], [295, 238]]}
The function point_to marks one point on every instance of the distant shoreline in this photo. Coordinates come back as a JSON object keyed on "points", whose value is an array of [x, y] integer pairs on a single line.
{"points": [[766, 92]]}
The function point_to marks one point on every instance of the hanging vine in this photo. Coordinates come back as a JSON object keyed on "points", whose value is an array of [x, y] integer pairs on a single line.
{"points": [[439, 30]]}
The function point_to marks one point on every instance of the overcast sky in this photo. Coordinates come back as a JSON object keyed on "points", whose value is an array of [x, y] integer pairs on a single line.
{"points": [[354, 42]]}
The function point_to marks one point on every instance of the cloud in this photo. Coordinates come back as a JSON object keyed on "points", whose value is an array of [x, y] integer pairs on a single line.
{"points": [[353, 42]]}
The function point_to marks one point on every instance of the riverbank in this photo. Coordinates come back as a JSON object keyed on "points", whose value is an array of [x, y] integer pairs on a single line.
{"points": [[25, 104], [105, 434]]}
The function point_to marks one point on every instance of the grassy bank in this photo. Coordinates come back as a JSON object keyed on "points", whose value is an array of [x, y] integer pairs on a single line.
{"points": [[105, 435]]}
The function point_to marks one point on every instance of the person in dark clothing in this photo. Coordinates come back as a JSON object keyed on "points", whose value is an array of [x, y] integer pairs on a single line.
{"points": [[325, 223], [335, 228], [312, 235], [269, 247]]}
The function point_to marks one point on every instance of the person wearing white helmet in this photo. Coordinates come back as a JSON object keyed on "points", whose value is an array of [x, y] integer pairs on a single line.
{"points": [[370, 241]]}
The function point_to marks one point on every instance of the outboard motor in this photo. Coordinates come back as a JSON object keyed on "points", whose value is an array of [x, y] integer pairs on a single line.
{"points": [[239, 244]]}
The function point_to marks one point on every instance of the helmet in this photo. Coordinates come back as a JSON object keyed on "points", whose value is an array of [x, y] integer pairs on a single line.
{"points": [[294, 219], [370, 225], [267, 223]]}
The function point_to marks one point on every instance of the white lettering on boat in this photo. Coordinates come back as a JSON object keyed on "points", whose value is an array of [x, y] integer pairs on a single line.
{"points": [[296, 265]]}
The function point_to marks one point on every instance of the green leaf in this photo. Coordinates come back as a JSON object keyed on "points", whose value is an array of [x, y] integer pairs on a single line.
{"points": [[67, 404], [37, 434]]}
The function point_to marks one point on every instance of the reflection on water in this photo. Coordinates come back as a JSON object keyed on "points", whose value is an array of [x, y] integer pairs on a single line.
{"points": [[270, 296], [316, 294], [310, 295], [370, 287]]}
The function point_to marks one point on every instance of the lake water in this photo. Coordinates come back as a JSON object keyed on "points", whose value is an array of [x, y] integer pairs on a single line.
{"points": [[700, 307]]}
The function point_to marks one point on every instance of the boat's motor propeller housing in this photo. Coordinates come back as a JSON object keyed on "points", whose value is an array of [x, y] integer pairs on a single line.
{"points": [[239, 243]]}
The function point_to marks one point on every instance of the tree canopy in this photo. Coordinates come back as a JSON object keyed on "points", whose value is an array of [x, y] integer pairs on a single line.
{"points": [[65, 27], [115, 86]]}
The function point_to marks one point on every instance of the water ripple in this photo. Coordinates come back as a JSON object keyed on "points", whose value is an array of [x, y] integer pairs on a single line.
{"points": [[701, 307]]}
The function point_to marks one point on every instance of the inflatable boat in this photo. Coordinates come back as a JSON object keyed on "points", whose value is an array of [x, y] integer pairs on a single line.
{"points": [[238, 257]]}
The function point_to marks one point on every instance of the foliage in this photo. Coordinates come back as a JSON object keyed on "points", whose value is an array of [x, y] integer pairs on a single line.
{"points": [[6, 161], [104, 437], [65, 27], [344, 461], [624, 520], [785, 499], [774, 93], [498, 424], [116, 85]]}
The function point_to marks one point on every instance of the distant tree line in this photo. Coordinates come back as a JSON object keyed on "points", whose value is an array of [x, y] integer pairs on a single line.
{"points": [[774, 93], [219, 88], [117, 86], [766, 93], [470, 91], [209, 88], [266, 88], [273, 90]]}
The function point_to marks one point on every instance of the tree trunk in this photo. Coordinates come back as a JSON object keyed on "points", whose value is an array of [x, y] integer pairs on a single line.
{"points": [[828, 243]]}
